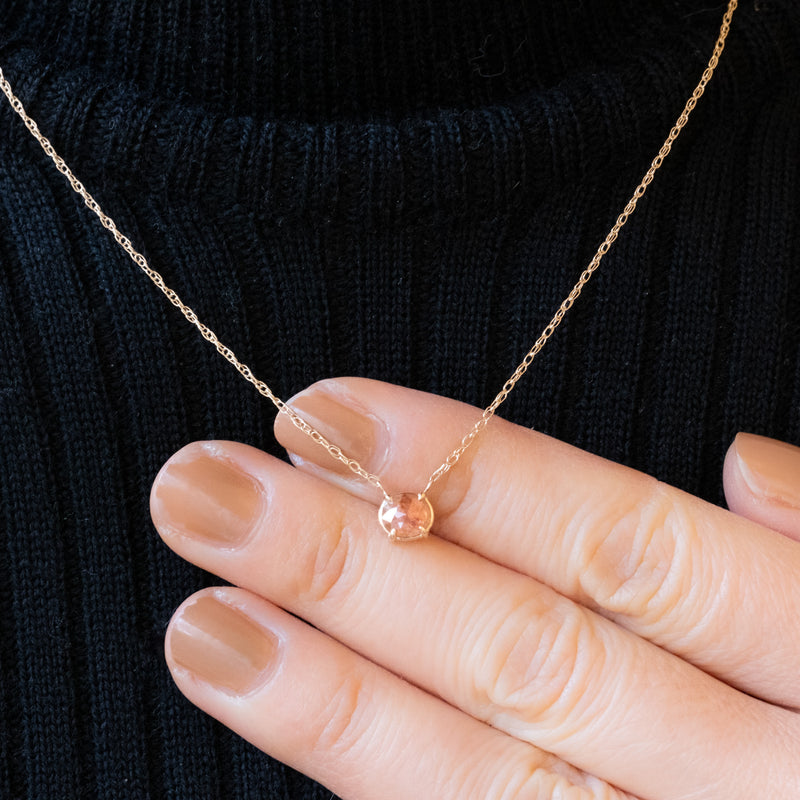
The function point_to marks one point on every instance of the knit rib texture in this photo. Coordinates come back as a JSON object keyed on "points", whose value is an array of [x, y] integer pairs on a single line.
{"points": [[399, 190]]}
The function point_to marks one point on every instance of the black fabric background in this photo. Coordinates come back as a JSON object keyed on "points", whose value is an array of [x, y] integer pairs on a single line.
{"points": [[404, 191]]}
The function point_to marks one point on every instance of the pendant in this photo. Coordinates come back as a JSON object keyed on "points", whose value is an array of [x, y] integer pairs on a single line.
{"points": [[406, 517]]}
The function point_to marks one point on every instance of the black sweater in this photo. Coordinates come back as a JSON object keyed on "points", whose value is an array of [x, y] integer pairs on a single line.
{"points": [[400, 190]]}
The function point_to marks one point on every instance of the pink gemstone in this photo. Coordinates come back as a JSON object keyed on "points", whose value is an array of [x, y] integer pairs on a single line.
{"points": [[406, 516]]}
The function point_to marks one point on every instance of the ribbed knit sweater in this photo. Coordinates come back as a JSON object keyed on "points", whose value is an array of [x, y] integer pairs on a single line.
{"points": [[399, 190]]}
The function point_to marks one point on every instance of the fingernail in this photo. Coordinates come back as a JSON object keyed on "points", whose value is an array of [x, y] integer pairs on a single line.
{"points": [[771, 469], [221, 645], [203, 494], [341, 420]]}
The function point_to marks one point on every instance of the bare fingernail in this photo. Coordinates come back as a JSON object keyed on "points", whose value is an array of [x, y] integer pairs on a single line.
{"points": [[201, 492], [341, 420], [771, 469], [221, 645]]}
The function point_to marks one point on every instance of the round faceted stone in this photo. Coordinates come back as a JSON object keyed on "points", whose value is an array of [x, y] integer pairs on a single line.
{"points": [[406, 516]]}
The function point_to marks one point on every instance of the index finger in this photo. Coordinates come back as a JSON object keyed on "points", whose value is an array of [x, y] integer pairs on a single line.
{"points": [[685, 574]]}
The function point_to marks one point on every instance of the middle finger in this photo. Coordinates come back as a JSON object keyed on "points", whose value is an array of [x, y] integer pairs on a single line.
{"points": [[693, 578], [501, 646]]}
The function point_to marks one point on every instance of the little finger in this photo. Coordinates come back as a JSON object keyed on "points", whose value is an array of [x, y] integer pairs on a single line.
{"points": [[364, 733]]}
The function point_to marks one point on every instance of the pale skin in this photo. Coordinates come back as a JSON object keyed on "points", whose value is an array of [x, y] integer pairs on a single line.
{"points": [[573, 629]]}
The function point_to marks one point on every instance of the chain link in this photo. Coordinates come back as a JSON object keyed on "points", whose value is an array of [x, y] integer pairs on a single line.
{"points": [[521, 369], [565, 306]]}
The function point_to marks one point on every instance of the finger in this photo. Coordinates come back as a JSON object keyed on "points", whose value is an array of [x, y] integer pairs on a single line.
{"points": [[312, 703], [685, 574], [499, 645], [762, 482]]}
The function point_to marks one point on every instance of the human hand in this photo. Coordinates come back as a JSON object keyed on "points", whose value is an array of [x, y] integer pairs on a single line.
{"points": [[573, 627]]}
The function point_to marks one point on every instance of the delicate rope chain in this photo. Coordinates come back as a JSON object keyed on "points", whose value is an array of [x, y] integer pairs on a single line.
{"points": [[565, 306], [173, 297], [509, 385]]}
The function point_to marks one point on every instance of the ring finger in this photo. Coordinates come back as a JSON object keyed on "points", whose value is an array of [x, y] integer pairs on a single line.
{"points": [[503, 647]]}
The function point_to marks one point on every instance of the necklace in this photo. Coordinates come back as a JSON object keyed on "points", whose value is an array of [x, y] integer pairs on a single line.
{"points": [[408, 515]]}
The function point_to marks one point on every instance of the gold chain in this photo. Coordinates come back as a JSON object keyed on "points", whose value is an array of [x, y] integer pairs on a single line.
{"points": [[508, 386]]}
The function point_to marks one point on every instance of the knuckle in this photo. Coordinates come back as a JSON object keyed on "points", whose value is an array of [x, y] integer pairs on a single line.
{"points": [[536, 775], [640, 560], [545, 785], [339, 726], [538, 668], [326, 569]]}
